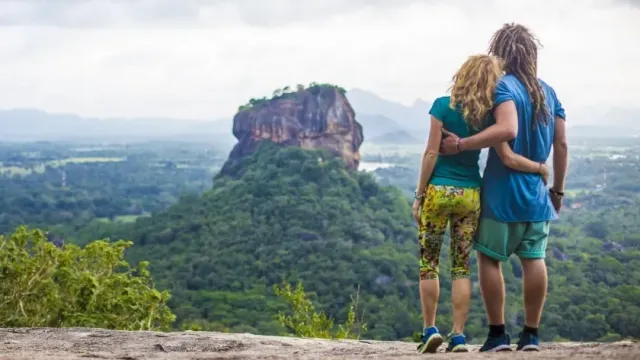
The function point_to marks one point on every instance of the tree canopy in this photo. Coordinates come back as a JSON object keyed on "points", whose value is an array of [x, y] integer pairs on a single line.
{"points": [[286, 213]]}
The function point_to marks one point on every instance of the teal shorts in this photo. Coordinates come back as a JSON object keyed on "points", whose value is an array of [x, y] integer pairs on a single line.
{"points": [[498, 240]]}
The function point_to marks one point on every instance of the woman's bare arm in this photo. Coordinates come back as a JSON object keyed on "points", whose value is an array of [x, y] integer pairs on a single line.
{"points": [[430, 155], [521, 163]]}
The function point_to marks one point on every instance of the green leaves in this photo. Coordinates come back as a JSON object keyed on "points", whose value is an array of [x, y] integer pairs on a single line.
{"points": [[304, 321], [43, 285]]}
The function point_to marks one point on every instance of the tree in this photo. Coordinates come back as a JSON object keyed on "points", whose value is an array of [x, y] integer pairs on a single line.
{"points": [[597, 229], [43, 285]]}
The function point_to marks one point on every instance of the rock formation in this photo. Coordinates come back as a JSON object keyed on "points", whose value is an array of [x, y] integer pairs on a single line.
{"points": [[317, 117]]}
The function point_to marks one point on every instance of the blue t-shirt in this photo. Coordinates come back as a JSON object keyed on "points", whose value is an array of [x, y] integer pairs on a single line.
{"points": [[510, 195]]}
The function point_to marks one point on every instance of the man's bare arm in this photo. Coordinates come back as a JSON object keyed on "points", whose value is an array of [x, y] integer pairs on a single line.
{"points": [[505, 129], [560, 155]]}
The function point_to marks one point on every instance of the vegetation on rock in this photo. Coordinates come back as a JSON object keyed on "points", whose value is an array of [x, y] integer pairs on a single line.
{"points": [[287, 93]]}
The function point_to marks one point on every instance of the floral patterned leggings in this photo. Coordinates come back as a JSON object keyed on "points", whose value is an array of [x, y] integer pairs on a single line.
{"points": [[444, 204]]}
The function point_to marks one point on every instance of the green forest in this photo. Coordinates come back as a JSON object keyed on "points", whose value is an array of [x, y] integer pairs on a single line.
{"points": [[74, 185], [219, 244]]}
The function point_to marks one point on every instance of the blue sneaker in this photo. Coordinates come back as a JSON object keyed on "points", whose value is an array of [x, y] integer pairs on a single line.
{"points": [[457, 343], [497, 343], [431, 340], [528, 342]]}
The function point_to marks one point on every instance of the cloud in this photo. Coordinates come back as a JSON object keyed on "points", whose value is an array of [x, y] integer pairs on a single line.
{"points": [[198, 13], [201, 59], [630, 2], [96, 13]]}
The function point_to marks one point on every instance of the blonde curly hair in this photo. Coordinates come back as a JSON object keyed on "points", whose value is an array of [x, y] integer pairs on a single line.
{"points": [[474, 84]]}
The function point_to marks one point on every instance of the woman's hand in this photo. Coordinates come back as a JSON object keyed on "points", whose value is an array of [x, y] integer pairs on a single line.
{"points": [[417, 205], [544, 172]]}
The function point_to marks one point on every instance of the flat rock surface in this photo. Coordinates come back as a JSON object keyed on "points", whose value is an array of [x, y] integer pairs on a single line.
{"points": [[83, 344]]}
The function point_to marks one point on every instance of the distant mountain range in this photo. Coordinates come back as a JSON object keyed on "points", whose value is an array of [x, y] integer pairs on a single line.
{"points": [[390, 117], [37, 125], [375, 125], [383, 121], [396, 121], [612, 123], [398, 137], [601, 131]]}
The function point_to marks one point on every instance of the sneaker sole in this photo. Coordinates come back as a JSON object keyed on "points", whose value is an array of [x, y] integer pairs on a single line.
{"points": [[530, 348], [500, 348], [432, 345], [459, 349]]}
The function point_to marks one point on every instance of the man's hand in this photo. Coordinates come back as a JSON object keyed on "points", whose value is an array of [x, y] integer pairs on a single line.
{"points": [[449, 143], [417, 205], [556, 199]]}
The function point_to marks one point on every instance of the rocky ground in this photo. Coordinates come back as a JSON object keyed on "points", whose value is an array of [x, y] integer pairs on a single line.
{"points": [[83, 344]]}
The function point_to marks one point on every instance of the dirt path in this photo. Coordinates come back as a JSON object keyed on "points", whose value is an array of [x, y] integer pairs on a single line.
{"points": [[83, 344]]}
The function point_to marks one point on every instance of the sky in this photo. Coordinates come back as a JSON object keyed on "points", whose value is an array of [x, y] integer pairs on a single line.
{"points": [[201, 59]]}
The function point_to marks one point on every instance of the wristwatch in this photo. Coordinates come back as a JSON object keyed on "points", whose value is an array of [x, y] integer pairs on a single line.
{"points": [[556, 192]]}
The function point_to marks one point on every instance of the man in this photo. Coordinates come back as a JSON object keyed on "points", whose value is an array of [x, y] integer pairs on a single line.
{"points": [[516, 206]]}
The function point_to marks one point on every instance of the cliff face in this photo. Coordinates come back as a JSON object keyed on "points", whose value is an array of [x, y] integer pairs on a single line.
{"points": [[319, 117]]}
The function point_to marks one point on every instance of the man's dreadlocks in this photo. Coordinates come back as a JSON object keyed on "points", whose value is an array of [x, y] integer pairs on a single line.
{"points": [[518, 47]]}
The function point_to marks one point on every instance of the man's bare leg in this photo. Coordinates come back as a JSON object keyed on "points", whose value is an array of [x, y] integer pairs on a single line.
{"points": [[534, 290], [493, 295], [491, 288]]}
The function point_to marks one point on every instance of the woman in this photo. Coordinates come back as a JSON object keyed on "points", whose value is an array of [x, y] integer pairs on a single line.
{"points": [[449, 192]]}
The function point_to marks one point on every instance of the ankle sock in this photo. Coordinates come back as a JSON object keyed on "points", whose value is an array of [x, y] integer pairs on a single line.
{"points": [[530, 330], [425, 330], [496, 330]]}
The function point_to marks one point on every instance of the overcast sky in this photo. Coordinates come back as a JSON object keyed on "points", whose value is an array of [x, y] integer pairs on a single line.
{"points": [[201, 59]]}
